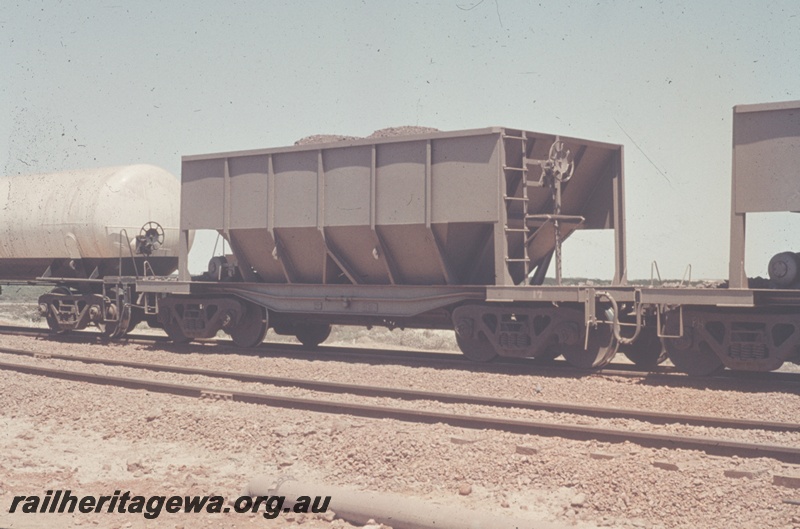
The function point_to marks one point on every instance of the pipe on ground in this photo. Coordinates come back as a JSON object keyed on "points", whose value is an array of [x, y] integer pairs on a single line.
{"points": [[395, 510]]}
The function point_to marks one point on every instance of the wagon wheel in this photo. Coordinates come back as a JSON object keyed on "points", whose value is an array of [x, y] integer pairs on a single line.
{"points": [[52, 320], [137, 317], [116, 322], [691, 354], [172, 328], [547, 354], [174, 332], [312, 334], [252, 327], [647, 351], [476, 349], [118, 328], [600, 351]]}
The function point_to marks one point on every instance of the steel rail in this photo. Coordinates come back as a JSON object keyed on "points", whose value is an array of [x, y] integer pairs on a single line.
{"points": [[430, 358], [655, 417], [330, 352], [79, 336], [571, 431]]}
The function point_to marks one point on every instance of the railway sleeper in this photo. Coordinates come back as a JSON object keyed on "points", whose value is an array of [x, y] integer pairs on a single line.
{"points": [[743, 340]]}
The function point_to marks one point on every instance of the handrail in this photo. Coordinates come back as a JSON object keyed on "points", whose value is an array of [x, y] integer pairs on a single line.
{"points": [[654, 265], [687, 271], [128, 244]]}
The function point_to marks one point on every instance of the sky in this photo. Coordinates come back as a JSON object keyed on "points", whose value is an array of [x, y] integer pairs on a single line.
{"points": [[99, 83]]}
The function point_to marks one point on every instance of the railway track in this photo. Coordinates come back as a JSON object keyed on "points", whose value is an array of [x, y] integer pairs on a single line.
{"points": [[573, 431], [560, 368]]}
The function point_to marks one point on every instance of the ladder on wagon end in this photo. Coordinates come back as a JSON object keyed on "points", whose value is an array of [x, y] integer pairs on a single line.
{"points": [[555, 170]]}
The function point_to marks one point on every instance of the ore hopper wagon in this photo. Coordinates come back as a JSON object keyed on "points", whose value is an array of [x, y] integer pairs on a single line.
{"points": [[456, 230], [404, 231]]}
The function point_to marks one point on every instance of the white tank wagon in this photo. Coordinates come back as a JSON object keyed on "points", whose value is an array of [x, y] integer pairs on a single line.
{"points": [[77, 224], [76, 228]]}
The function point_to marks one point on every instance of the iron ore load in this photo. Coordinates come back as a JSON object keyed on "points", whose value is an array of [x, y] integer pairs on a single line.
{"points": [[77, 228]]}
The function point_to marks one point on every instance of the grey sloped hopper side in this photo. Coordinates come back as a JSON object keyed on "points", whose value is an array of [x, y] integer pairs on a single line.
{"points": [[429, 209]]}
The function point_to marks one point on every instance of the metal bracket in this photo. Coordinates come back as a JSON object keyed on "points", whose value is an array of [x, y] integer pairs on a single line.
{"points": [[589, 315], [638, 308], [659, 309]]}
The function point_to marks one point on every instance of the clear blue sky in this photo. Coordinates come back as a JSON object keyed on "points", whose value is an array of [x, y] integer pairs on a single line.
{"points": [[95, 83]]}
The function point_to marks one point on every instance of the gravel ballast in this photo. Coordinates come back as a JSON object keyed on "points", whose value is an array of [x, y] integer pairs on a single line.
{"points": [[96, 439]]}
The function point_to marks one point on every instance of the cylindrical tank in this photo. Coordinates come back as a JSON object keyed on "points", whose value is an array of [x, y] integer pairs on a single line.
{"points": [[77, 221], [783, 269]]}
